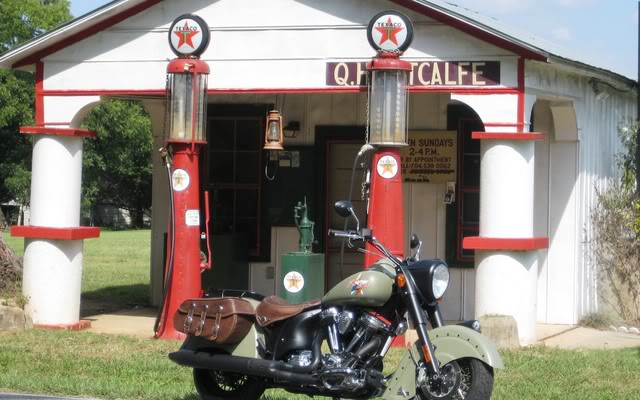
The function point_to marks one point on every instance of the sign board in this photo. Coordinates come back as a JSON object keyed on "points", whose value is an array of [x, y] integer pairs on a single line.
{"points": [[430, 157], [423, 73]]}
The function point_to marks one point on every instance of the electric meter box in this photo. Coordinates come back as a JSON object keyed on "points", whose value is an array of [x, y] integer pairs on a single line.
{"points": [[301, 277]]}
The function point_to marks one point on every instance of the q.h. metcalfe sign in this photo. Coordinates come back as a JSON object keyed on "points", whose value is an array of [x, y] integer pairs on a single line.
{"points": [[423, 73]]}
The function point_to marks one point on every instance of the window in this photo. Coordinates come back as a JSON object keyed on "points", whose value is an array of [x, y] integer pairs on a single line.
{"points": [[235, 149]]}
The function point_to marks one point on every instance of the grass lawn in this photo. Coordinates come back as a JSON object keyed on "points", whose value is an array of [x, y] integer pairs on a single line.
{"points": [[116, 275], [115, 367], [115, 272]]}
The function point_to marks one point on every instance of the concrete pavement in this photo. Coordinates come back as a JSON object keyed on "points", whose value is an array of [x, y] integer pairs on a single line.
{"points": [[139, 323]]}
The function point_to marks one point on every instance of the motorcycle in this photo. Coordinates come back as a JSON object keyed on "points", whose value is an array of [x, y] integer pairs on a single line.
{"points": [[268, 343]]}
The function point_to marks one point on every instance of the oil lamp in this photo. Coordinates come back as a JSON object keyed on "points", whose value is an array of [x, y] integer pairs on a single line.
{"points": [[273, 137]]}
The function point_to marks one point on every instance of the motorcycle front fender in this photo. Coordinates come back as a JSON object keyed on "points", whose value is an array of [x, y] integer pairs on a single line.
{"points": [[451, 342]]}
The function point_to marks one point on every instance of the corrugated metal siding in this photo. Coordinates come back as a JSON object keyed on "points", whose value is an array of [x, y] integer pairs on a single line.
{"points": [[598, 143]]}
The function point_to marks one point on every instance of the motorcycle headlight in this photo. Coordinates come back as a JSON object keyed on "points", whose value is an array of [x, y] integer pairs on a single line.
{"points": [[440, 281]]}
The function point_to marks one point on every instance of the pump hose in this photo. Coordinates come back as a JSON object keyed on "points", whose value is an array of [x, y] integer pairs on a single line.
{"points": [[172, 237]]}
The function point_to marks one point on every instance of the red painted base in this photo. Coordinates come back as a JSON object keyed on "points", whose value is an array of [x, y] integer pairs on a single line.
{"points": [[78, 326]]}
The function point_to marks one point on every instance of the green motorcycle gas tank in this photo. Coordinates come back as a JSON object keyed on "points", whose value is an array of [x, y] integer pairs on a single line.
{"points": [[372, 287]]}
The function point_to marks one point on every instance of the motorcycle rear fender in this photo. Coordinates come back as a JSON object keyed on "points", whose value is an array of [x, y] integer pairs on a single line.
{"points": [[247, 347], [452, 342]]}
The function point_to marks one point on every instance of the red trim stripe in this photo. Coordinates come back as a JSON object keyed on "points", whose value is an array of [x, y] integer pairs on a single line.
{"points": [[40, 232], [340, 89], [517, 244], [43, 130], [470, 29], [85, 33], [507, 135], [39, 96]]}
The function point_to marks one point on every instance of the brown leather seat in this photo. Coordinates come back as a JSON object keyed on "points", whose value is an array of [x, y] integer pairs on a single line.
{"points": [[273, 309]]}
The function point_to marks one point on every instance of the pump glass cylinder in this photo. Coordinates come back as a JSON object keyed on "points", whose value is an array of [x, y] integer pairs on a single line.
{"points": [[188, 107], [388, 108]]}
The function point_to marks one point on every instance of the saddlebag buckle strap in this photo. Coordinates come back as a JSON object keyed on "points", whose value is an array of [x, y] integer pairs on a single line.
{"points": [[189, 319], [203, 318], [216, 324]]}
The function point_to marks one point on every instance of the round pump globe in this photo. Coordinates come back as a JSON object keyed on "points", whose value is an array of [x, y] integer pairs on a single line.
{"points": [[388, 101], [187, 92]]}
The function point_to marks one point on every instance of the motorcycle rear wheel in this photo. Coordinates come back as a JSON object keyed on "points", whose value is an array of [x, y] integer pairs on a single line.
{"points": [[475, 382], [216, 385]]}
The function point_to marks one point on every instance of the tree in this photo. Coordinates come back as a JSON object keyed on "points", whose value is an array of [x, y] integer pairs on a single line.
{"points": [[616, 235], [20, 21], [117, 163]]}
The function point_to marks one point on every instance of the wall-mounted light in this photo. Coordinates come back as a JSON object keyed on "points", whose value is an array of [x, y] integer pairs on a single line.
{"points": [[273, 138], [292, 129]]}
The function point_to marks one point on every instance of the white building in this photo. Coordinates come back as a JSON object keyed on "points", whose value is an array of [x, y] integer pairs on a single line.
{"points": [[516, 193]]}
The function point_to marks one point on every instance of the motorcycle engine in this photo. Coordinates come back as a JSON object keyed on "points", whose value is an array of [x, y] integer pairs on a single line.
{"points": [[343, 368]]}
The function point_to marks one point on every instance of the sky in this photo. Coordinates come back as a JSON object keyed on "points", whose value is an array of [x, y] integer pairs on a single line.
{"points": [[602, 32]]}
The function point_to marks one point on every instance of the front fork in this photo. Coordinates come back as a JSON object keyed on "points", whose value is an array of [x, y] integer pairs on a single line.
{"points": [[420, 324]]}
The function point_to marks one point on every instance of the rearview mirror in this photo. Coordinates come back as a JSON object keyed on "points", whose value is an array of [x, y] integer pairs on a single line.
{"points": [[344, 208], [415, 241]]}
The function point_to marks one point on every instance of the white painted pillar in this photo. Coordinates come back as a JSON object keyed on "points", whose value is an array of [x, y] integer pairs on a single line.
{"points": [[54, 241], [506, 251]]}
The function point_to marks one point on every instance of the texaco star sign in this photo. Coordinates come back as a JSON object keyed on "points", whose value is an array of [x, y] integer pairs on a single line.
{"points": [[390, 32], [189, 36]]}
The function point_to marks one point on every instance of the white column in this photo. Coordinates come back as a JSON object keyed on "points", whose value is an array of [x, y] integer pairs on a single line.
{"points": [[506, 249], [52, 273], [506, 280]]}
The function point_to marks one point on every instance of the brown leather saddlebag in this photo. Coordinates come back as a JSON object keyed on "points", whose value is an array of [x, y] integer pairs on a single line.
{"points": [[224, 320]]}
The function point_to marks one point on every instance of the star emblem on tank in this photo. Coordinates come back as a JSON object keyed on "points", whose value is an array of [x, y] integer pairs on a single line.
{"points": [[358, 285]]}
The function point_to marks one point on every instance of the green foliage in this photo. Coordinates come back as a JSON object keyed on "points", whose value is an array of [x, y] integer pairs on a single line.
{"points": [[20, 21], [23, 20], [117, 164], [616, 235], [16, 109], [628, 134]]}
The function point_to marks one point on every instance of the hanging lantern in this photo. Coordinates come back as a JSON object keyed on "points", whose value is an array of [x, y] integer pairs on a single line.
{"points": [[273, 138]]}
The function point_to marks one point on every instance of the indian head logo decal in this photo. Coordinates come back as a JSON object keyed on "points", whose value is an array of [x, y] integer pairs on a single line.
{"points": [[358, 286], [390, 32], [189, 36]]}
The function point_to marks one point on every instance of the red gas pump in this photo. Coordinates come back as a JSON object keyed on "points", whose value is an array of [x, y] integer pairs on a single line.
{"points": [[186, 135], [390, 34]]}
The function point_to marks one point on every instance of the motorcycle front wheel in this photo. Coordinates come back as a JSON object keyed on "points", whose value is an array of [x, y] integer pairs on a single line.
{"points": [[216, 385], [466, 379]]}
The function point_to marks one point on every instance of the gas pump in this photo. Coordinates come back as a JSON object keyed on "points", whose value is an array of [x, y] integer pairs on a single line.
{"points": [[186, 110], [390, 34]]}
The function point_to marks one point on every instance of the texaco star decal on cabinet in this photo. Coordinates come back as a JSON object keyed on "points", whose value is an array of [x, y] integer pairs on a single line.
{"points": [[390, 32]]}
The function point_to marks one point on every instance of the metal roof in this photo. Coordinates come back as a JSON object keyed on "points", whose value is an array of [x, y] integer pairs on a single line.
{"points": [[553, 51]]}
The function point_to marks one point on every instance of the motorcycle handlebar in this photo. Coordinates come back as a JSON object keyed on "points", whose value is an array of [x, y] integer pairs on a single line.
{"points": [[345, 234]]}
